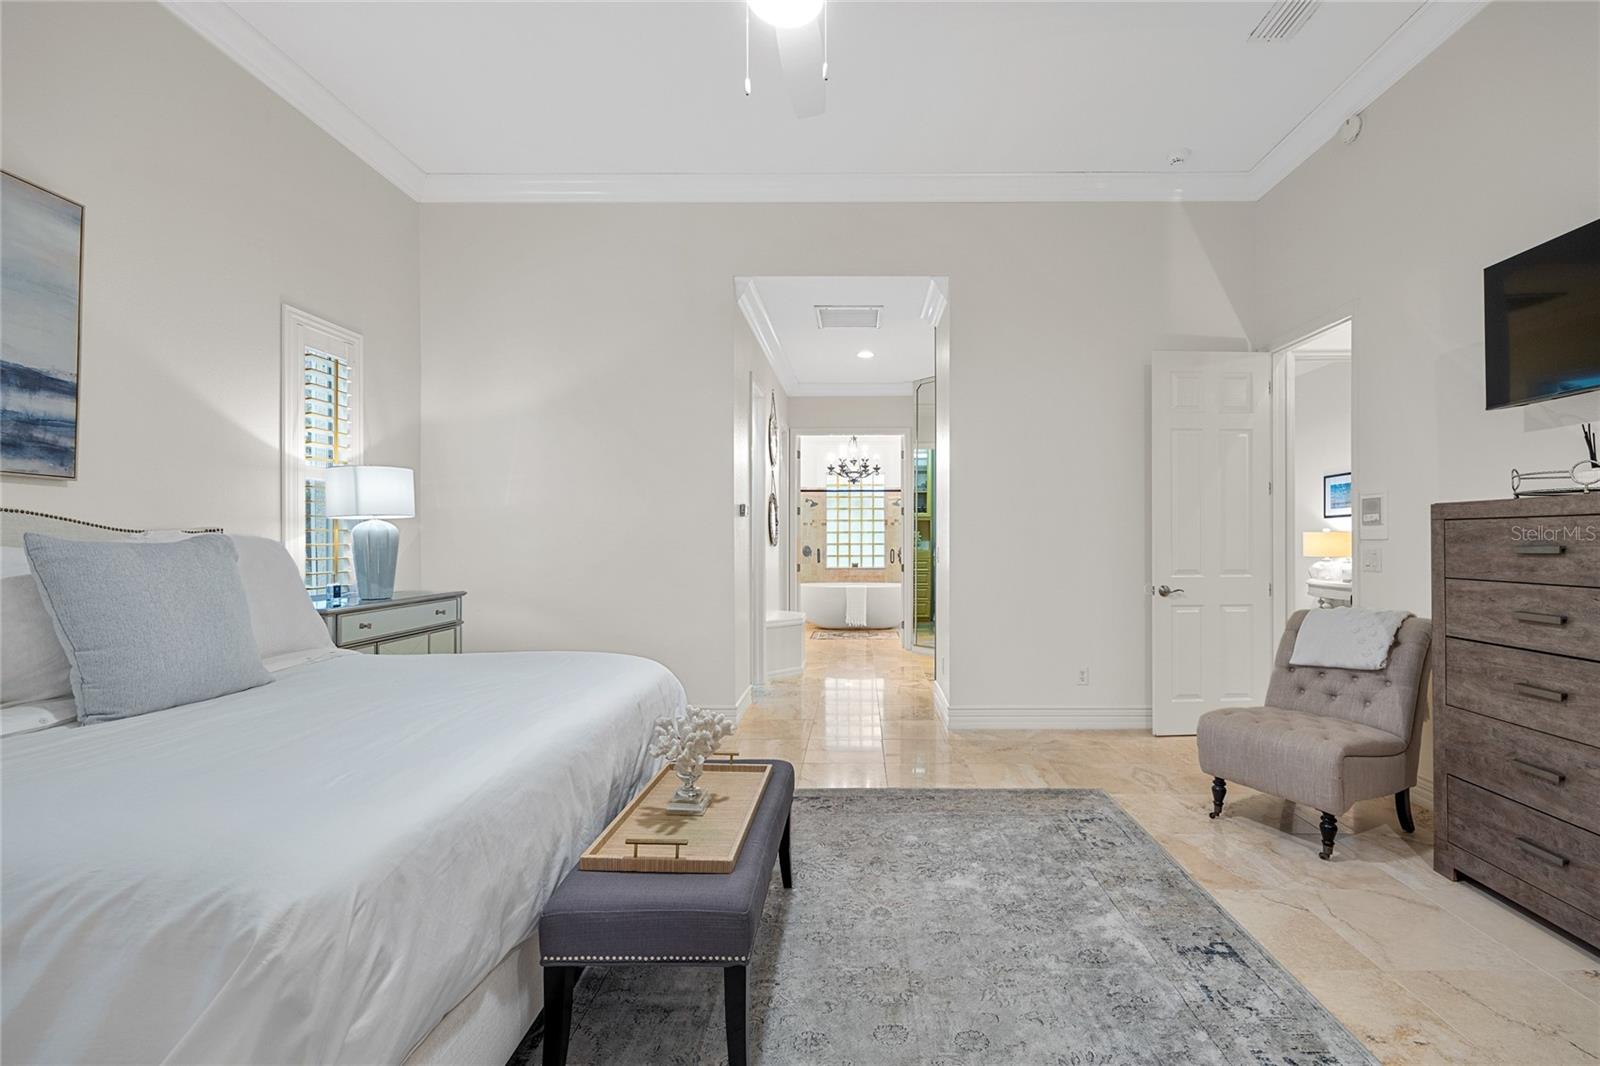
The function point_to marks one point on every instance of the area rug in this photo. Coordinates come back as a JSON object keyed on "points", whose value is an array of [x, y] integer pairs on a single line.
{"points": [[950, 926], [855, 634]]}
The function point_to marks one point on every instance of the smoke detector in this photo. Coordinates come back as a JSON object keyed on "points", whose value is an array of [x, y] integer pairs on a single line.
{"points": [[842, 316], [1351, 129]]}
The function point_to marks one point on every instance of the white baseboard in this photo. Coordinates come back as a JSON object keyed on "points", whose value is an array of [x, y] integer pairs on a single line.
{"points": [[960, 718], [941, 703], [794, 671], [734, 711]]}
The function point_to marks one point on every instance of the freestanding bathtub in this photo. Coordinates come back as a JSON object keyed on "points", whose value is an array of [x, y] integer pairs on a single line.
{"points": [[823, 603]]}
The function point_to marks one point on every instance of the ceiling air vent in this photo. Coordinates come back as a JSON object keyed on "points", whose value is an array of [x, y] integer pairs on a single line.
{"points": [[1284, 19], [843, 317]]}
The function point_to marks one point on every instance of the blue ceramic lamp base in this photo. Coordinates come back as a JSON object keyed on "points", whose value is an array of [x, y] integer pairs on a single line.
{"points": [[377, 549]]}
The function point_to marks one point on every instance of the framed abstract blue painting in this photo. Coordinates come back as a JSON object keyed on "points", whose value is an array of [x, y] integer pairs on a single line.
{"points": [[41, 279], [1336, 498]]}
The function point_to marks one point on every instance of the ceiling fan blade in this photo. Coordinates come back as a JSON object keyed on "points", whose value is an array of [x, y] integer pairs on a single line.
{"points": [[800, 53]]}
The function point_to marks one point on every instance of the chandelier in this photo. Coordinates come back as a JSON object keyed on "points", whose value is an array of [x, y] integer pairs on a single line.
{"points": [[855, 466]]}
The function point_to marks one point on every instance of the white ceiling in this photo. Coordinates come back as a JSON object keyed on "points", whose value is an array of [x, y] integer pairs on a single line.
{"points": [[925, 100], [810, 361]]}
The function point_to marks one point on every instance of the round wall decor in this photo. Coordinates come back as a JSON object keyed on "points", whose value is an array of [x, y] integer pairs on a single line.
{"points": [[772, 519], [772, 437]]}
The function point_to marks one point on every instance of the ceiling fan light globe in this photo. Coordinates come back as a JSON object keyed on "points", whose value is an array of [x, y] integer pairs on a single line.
{"points": [[786, 14]]}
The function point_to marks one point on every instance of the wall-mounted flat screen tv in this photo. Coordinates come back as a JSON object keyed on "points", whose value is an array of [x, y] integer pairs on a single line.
{"points": [[1541, 321]]}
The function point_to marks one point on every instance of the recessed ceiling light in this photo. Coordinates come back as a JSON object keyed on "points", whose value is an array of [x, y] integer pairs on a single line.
{"points": [[863, 354]]}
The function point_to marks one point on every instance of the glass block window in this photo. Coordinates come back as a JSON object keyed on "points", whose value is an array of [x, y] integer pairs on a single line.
{"points": [[328, 440], [855, 523]]}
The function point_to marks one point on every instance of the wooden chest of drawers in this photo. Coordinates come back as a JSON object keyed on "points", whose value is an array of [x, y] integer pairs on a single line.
{"points": [[1516, 702]]}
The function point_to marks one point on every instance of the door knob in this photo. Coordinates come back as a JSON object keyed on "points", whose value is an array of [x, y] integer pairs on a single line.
{"points": [[1165, 590]]}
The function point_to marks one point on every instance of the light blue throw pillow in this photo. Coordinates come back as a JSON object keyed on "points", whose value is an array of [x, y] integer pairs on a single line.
{"points": [[147, 626]]}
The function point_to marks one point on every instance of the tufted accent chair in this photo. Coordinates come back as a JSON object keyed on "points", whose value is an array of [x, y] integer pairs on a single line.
{"points": [[1327, 738]]}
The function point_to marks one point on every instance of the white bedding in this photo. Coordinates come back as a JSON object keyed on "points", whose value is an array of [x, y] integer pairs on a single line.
{"points": [[311, 871]]}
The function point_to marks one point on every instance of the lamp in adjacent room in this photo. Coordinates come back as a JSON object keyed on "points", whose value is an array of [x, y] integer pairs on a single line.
{"points": [[373, 494], [1331, 548]]}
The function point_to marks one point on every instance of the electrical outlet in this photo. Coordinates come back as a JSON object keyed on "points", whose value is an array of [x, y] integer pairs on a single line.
{"points": [[1083, 675], [1371, 559]]}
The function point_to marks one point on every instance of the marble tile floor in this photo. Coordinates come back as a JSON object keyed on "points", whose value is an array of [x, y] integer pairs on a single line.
{"points": [[1422, 969]]}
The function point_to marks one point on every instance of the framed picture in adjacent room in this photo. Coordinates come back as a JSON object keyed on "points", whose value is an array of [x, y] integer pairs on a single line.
{"points": [[1336, 499], [41, 278]]}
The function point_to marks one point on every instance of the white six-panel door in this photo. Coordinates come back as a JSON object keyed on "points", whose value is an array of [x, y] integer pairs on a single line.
{"points": [[1210, 534]]}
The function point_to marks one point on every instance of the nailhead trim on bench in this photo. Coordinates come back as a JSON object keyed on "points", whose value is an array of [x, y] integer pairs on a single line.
{"points": [[646, 958]]}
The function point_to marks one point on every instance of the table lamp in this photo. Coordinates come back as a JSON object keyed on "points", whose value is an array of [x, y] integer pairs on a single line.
{"points": [[1333, 546], [373, 493]]}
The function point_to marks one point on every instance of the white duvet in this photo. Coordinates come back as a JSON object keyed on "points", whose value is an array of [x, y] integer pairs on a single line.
{"points": [[312, 871]]}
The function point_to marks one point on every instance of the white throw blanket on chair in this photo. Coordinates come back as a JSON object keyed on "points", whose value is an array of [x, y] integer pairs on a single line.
{"points": [[855, 607], [1346, 638]]}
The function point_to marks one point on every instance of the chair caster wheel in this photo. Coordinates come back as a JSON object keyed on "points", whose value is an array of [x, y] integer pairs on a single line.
{"points": [[1212, 814], [1326, 854]]}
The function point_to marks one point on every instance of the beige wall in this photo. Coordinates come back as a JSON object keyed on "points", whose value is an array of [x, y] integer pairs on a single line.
{"points": [[1488, 147], [208, 202], [609, 333], [854, 413], [1456, 168]]}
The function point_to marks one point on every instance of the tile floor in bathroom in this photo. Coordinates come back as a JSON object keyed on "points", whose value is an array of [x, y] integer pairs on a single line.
{"points": [[1423, 969]]}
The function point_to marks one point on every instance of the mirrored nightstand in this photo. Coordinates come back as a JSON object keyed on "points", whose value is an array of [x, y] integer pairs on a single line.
{"points": [[410, 623]]}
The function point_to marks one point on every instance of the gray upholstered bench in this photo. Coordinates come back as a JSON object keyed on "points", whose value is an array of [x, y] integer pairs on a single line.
{"points": [[598, 918]]}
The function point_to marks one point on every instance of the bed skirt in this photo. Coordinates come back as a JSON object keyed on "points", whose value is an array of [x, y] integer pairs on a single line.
{"points": [[487, 1026]]}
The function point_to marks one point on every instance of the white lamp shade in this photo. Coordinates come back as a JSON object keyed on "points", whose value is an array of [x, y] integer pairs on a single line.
{"points": [[371, 492]]}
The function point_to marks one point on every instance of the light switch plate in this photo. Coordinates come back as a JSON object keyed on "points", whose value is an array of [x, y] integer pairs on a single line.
{"points": [[1371, 559]]}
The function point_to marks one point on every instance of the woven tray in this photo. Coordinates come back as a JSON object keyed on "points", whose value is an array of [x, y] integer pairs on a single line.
{"points": [[647, 838]]}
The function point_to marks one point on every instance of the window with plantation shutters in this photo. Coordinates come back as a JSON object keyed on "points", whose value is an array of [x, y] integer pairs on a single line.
{"points": [[321, 421], [326, 427]]}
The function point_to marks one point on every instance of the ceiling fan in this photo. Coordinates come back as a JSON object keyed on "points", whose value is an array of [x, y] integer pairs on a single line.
{"points": [[802, 29]]}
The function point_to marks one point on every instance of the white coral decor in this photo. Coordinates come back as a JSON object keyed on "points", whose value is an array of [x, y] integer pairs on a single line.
{"points": [[685, 741]]}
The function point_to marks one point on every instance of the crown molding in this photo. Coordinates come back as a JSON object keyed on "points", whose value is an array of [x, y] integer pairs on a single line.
{"points": [[899, 388], [1428, 27], [830, 188], [241, 42], [1413, 41], [755, 313]]}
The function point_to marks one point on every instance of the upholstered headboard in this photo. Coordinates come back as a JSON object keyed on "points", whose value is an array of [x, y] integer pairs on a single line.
{"points": [[15, 521]]}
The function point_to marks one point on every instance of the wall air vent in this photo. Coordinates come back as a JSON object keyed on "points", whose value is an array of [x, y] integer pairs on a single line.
{"points": [[847, 317], [1284, 19]]}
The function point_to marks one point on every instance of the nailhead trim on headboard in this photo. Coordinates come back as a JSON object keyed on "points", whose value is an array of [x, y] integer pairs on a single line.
{"points": [[96, 525]]}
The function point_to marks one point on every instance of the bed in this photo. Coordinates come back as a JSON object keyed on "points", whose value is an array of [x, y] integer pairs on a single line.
{"points": [[321, 869]]}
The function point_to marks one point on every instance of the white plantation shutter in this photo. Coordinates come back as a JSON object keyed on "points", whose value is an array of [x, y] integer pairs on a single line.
{"points": [[327, 434]]}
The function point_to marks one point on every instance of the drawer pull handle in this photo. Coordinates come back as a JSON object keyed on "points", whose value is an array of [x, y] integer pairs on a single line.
{"points": [[1538, 618], [363, 625], [1541, 549], [1542, 773], [1542, 854], [439, 611], [1538, 693]]}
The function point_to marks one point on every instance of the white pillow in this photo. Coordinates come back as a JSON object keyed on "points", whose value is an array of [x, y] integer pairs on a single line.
{"points": [[285, 623], [32, 665], [32, 717]]}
